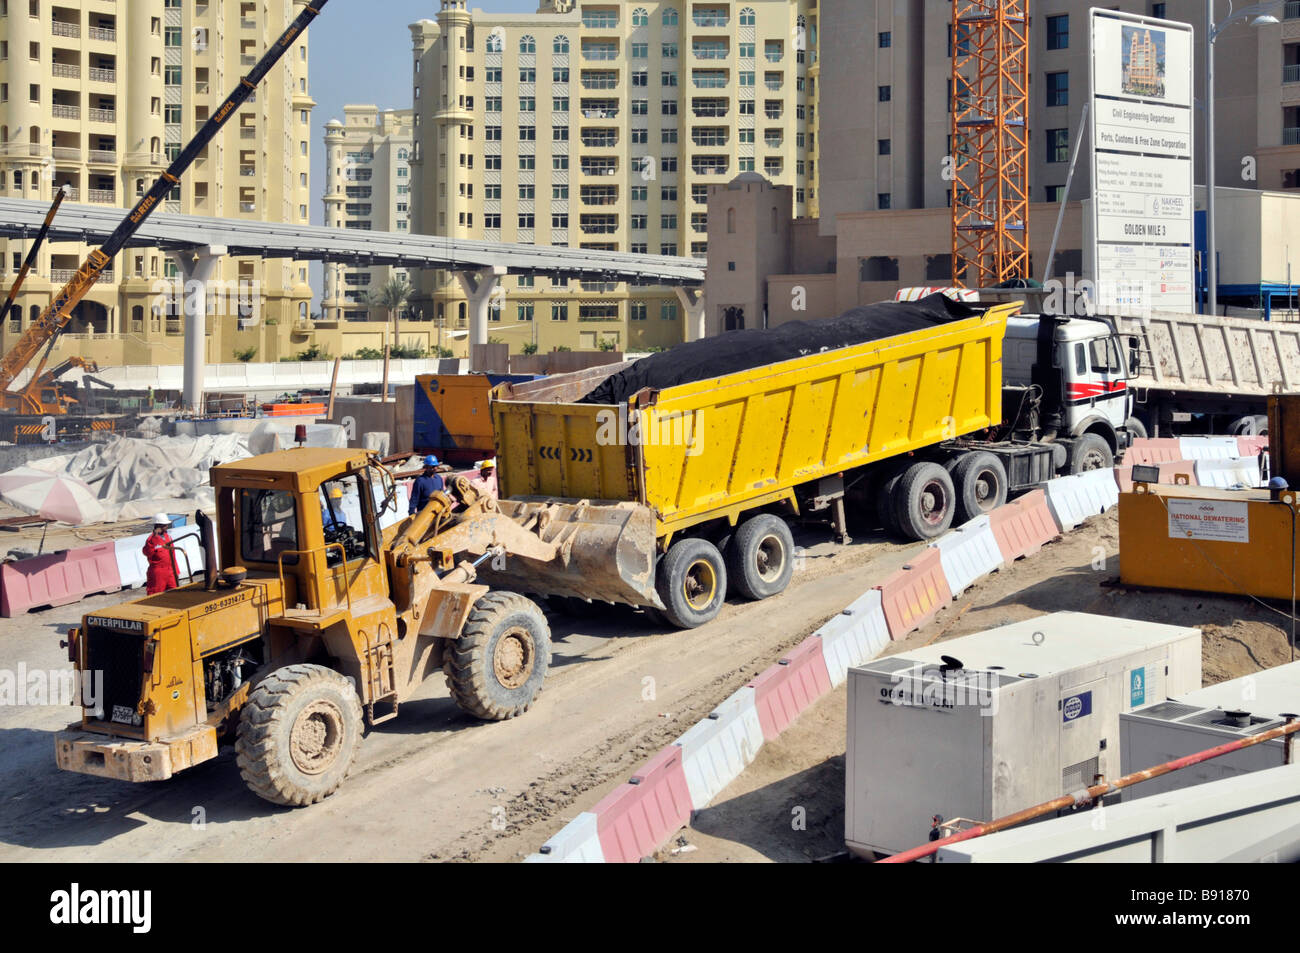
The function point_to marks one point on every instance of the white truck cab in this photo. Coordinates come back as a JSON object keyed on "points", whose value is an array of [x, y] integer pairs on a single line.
{"points": [[1081, 369]]}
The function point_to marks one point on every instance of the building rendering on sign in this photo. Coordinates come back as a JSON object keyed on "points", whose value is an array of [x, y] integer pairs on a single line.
{"points": [[100, 97], [1142, 67], [603, 125]]}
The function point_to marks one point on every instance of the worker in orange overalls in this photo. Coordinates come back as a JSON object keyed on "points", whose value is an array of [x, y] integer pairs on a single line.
{"points": [[161, 574]]}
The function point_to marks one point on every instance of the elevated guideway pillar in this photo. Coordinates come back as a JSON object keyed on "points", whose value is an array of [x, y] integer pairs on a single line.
{"points": [[693, 305], [197, 268], [479, 286]]}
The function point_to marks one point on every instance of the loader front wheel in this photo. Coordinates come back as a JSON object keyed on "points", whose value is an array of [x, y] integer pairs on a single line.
{"points": [[298, 735], [692, 582], [498, 663]]}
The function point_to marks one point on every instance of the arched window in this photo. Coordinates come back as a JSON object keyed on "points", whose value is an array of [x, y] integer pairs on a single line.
{"points": [[670, 17], [561, 45], [640, 17], [748, 17], [403, 154], [495, 42], [527, 44], [731, 221], [137, 318], [33, 313]]}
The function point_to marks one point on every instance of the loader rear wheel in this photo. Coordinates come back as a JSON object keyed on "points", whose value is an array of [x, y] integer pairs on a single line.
{"points": [[500, 660], [298, 735], [692, 582], [761, 559], [924, 501]]}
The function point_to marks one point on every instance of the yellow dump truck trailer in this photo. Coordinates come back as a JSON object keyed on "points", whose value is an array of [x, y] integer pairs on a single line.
{"points": [[689, 487]]}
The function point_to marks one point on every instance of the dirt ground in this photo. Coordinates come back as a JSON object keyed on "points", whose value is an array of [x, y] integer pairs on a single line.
{"points": [[789, 805], [433, 784]]}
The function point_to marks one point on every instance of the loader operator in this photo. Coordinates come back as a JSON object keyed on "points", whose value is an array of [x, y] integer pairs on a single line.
{"points": [[425, 485], [161, 574]]}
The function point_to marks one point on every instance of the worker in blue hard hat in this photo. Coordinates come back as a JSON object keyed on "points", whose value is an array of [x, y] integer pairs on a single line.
{"points": [[425, 485]]}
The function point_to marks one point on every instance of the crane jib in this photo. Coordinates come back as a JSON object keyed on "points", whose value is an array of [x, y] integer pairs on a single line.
{"points": [[42, 331]]}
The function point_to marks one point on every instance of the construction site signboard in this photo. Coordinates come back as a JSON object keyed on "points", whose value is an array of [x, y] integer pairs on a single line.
{"points": [[1141, 145], [1218, 520]]}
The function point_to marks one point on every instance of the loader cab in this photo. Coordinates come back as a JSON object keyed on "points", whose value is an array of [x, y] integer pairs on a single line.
{"points": [[310, 518], [1080, 363]]}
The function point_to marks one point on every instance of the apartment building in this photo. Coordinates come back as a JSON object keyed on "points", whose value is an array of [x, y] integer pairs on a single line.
{"points": [[884, 100], [367, 187], [602, 125], [101, 95]]}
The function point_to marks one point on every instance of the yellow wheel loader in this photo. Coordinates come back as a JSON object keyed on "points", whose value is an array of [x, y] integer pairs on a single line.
{"points": [[326, 608]]}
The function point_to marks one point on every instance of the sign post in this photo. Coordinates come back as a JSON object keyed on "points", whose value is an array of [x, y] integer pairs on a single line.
{"points": [[1141, 107]]}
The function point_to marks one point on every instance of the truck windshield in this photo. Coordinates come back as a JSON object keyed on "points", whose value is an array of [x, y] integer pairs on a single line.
{"points": [[268, 525], [343, 519]]}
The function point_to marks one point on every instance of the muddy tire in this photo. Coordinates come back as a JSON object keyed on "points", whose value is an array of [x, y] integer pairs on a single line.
{"points": [[885, 499], [760, 561], [498, 664], [1090, 452], [298, 735], [925, 501], [691, 581], [981, 482]]}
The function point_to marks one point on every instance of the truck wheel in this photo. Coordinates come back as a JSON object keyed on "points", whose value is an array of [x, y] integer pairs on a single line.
{"points": [[1090, 452], [692, 582], [981, 482], [298, 735], [760, 561], [924, 501], [885, 498], [499, 661], [1136, 427]]}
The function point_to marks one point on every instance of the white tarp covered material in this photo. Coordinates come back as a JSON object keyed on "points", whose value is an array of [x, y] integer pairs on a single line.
{"points": [[134, 478]]}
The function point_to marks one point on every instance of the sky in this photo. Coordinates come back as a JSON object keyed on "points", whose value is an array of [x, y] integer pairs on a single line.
{"points": [[361, 53]]}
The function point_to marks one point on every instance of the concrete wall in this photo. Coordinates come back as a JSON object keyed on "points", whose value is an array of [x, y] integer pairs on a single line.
{"points": [[749, 240]]}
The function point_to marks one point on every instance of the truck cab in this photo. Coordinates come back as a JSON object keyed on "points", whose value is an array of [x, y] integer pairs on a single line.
{"points": [[1081, 374]]}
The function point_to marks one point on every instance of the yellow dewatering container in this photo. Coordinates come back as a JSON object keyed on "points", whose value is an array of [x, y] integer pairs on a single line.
{"points": [[717, 447], [1208, 540]]}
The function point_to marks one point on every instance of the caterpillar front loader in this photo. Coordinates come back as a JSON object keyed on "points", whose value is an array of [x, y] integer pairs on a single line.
{"points": [[323, 612]]}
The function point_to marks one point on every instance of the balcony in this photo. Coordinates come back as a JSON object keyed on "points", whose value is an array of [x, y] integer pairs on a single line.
{"points": [[248, 207], [247, 132], [103, 75], [64, 275], [102, 196], [248, 170], [247, 60], [1291, 136], [65, 112], [66, 153], [67, 70], [64, 28], [710, 51], [74, 193], [105, 34], [102, 115], [102, 157], [710, 18], [600, 52]]}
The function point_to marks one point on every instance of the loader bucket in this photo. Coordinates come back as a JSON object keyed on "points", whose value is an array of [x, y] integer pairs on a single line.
{"points": [[606, 551]]}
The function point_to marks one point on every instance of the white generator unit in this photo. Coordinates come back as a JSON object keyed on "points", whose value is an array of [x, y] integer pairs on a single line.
{"points": [[989, 724], [1207, 718]]}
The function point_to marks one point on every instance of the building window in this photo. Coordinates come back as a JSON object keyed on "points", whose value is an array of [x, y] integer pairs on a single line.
{"points": [[1058, 145], [559, 312], [884, 200], [884, 94], [1054, 192], [527, 44], [637, 311], [1158, 11], [560, 45], [885, 40], [884, 147], [1058, 89], [1058, 32], [640, 17], [670, 17], [668, 310]]}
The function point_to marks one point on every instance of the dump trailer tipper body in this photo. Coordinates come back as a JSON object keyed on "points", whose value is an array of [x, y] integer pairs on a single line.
{"points": [[716, 448]]}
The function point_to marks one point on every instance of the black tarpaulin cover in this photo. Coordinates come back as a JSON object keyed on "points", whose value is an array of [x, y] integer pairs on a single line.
{"points": [[742, 350]]}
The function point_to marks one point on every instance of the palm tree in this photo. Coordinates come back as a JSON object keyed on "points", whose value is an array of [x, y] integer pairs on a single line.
{"points": [[394, 296]]}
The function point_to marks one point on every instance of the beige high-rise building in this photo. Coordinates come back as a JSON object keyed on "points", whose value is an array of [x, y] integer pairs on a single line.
{"points": [[601, 125], [101, 95], [368, 188]]}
